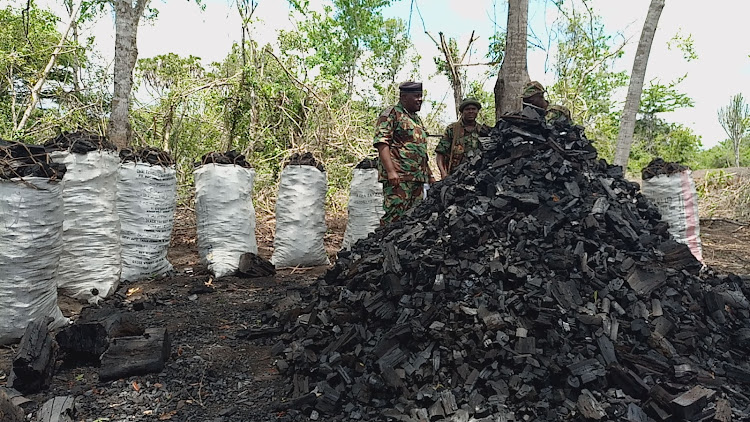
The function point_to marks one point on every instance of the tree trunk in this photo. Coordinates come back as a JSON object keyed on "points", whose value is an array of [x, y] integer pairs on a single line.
{"points": [[127, 16], [633, 99], [513, 71]]}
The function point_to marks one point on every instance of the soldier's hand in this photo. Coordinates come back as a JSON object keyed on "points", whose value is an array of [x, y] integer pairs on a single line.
{"points": [[393, 178]]}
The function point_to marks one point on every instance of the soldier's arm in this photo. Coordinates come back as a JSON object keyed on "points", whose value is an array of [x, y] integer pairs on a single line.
{"points": [[382, 141], [442, 152]]}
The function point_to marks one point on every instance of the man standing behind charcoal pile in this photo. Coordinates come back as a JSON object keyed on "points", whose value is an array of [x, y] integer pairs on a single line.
{"points": [[558, 114], [461, 138], [401, 141], [533, 96]]}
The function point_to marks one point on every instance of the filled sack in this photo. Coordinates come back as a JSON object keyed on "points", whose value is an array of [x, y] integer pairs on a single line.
{"points": [[300, 218], [225, 215], [365, 207], [146, 202], [677, 200], [90, 262], [31, 227]]}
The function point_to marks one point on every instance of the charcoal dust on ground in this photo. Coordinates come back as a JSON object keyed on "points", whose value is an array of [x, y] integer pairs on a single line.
{"points": [[537, 283]]}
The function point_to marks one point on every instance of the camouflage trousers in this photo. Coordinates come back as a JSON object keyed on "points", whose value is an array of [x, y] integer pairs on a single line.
{"points": [[399, 199]]}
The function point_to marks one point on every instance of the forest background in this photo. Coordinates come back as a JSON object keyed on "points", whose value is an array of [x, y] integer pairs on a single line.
{"points": [[319, 84]]}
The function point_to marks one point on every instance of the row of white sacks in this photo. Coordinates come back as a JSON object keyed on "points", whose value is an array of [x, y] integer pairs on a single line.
{"points": [[226, 217], [108, 221]]}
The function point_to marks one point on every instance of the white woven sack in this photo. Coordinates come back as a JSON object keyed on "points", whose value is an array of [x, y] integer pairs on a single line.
{"points": [[90, 261], [226, 216], [365, 206], [146, 201], [300, 218], [31, 223], [677, 200]]}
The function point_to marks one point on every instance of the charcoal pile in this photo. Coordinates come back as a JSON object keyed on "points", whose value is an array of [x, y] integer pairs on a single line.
{"points": [[658, 167], [229, 157], [305, 159], [367, 163], [148, 155], [535, 284], [22, 160], [79, 142]]}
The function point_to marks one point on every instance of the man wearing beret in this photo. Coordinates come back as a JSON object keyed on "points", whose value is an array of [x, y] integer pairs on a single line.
{"points": [[461, 138], [401, 141]]}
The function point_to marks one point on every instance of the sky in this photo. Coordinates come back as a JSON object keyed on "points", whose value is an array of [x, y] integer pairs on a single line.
{"points": [[721, 70]]}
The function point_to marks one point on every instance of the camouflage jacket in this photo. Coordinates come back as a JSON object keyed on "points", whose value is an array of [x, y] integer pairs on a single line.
{"points": [[406, 137], [466, 141]]}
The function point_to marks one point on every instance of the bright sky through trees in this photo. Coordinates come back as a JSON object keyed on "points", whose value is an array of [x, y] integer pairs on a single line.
{"points": [[721, 70]]}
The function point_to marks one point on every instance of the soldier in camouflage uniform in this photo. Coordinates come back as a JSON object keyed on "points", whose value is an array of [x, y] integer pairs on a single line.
{"points": [[460, 138], [533, 96], [401, 141], [557, 113]]}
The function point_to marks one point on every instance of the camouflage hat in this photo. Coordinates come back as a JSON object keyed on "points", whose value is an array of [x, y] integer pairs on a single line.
{"points": [[532, 88], [410, 87], [469, 101], [556, 111]]}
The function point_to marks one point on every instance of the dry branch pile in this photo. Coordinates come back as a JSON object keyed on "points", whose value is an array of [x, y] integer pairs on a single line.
{"points": [[535, 284]]}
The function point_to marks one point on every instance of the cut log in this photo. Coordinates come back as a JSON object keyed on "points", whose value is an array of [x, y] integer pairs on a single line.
{"points": [[35, 361], [9, 412], [85, 341], [135, 355], [58, 409], [691, 402], [252, 265]]}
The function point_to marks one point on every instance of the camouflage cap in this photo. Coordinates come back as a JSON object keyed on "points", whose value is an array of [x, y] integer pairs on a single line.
{"points": [[556, 111], [469, 101], [532, 88], [410, 86]]}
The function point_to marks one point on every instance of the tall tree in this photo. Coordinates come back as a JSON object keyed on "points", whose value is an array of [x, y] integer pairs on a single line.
{"points": [[513, 71], [735, 119], [127, 16], [638, 75]]}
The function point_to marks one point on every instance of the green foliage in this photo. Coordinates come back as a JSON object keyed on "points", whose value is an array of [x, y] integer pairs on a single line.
{"points": [[684, 44], [735, 119], [487, 99], [583, 67], [27, 39], [660, 98], [670, 141], [585, 80], [349, 39], [496, 52], [722, 155]]}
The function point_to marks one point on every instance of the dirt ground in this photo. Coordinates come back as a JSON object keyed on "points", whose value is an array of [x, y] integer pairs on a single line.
{"points": [[215, 372]]}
